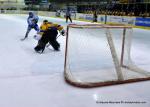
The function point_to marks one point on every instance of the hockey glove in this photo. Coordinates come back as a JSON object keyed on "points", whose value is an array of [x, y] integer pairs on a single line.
{"points": [[37, 37], [62, 32]]}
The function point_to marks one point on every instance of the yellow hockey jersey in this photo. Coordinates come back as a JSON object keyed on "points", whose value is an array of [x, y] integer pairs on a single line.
{"points": [[45, 26]]}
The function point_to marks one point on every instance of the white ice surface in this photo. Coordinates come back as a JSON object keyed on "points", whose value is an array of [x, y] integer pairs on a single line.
{"points": [[28, 79]]}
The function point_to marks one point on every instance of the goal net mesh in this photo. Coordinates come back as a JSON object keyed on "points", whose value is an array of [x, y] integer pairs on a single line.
{"points": [[98, 55]]}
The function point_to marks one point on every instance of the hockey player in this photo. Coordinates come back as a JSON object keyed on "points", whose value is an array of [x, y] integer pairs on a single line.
{"points": [[49, 32], [32, 21], [95, 16], [68, 15]]}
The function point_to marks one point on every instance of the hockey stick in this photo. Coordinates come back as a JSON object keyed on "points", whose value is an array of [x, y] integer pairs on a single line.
{"points": [[22, 39]]}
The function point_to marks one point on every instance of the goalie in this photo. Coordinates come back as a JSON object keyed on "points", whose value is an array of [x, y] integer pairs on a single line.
{"points": [[48, 34]]}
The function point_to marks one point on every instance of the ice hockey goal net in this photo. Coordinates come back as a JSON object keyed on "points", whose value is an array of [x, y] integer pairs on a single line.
{"points": [[99, 55]]}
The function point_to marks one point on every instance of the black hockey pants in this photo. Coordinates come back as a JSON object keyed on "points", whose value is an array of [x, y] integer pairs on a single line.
{"points": [[49, 36]]}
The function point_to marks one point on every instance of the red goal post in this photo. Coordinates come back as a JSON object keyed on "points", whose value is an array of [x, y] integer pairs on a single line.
{"points": [[119, 65]]}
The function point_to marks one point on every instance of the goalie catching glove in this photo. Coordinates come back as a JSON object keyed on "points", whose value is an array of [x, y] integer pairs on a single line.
{"points": [[37, 36], [62, 32]]}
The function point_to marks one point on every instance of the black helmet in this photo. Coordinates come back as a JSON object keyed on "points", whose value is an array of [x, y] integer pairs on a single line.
{"points": [[45, 21], [31, 14]]}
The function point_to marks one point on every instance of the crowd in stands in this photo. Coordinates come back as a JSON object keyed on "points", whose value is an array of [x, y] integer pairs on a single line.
{"points": [[118, 13], [119, 10]]}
